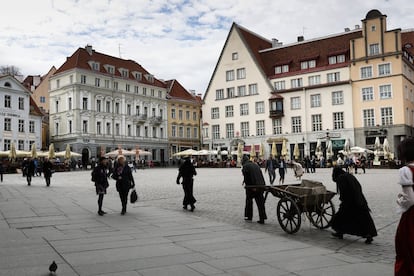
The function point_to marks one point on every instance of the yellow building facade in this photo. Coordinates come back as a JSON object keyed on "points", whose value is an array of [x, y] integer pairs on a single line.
{"points": [[382, 79]]}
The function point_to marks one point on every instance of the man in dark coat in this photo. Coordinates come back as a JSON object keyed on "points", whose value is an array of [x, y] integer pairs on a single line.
{"points": [[47, 170], [353, 216], [28, 169], [124, 181], [100, 177], [187, 171], [271, 166], [253, 176]]}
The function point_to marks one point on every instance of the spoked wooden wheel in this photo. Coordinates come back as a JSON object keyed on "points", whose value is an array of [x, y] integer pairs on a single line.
{"points": [[288, 215], [322, 215]]}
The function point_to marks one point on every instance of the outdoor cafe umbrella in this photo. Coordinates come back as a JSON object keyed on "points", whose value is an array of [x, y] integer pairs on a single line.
{"points": [[377, 146], [119, 151], [136, 152], [296, 152], [187, 152], [274, 150], [284, 148], [52, 151], [318, 150], [239, 154], [68, 153], [329, 152], [252, 152], [34, 151], [12, 152], [347, 147], [261, 150], [386, 148]]}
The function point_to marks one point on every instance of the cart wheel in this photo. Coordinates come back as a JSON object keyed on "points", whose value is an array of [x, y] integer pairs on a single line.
{"points": [[288, 215], [322, 216]]}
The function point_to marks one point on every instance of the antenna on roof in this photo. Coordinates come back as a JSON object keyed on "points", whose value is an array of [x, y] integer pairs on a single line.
{"points": [[119, 50]]}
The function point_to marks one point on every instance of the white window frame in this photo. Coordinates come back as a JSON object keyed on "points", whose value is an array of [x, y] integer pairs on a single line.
{"points": [[315, 100], [314, 80], [316, 122], [260, 107], [296, 124], [219, 94], [229, 111], [277, 126], [280, 85], [365, 97], [387, 119], [215, 113], [337, 100], [230, 130], [260, 128], [241, 73], [244, 129], [230, 75], [295, 103], [338, 123], [368, 119], [366, 72], [381, 72], [385, 95], [372, 47]]}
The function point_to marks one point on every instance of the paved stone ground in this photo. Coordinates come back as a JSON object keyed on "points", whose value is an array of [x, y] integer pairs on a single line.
{"points": [[156, 237]]}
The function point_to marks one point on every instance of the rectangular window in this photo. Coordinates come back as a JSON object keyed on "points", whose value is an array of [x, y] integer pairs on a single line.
{"points": [[146, 131], [31, 126], [296, 124], [277, 126], [229, 130], [241, 91], [187, 115], [129, 130], [308, 64], [180, 132], [117, 129], [159, 94], [253, 89], [70, 126], [374, 49], [368, 117], [230, 92], [152, 92], [138, 130], [219, 94], [235, 56], [83, 79], [127, 87], [229, 75], [154, 132], [229, 111], [244, 127], [316, 100], [98, 105], [56, 129], [317, 122], [98, 128], [70, 103], [42, 99], [174, 131], [136, 89], [386, 116], [117, 109], [85, 103], [108, 128], [195, 132], [336, 59], [71, 79], [129, 110], [144, 91], [295, 103], [260, 128], [115, 85], [281, 69], [244, 109], [21, 125], [338, 120], [385, 91], [21, 103], [241, 73], [384, 69], [20, 145], [7, 101], [85, 126], [194, 116], [108, 106], [7, 144], [97, 82], [180, 114], [260, 108], [173, 114], [280, 85], [216, 131], [337, 98], [107, 84], [367, 94], [57, 83], [314, 80], [215, 113], [295, 83], [366, 72], [333, 77], [57, 106]]}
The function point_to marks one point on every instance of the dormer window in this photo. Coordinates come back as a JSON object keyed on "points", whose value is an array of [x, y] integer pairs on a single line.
{"points": [[124, 73], [94, 65], [137, 75], [150, 78], [308, 64], [336, 59], [281, 69], [110, 69]]}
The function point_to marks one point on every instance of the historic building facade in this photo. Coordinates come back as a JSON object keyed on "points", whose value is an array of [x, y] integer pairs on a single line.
{"points": [[184, 117], [98, 101], [20, 118], [311, 89]]}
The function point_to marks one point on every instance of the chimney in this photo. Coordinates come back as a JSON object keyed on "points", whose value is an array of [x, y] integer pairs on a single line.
{"points": [[276, 43], [356, 27], [88, 48], [347, 29], [301, 38], [192, 92]]}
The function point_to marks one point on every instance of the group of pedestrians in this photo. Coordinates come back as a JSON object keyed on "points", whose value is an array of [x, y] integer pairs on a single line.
{"points": [[30, 168], [272, 165]]}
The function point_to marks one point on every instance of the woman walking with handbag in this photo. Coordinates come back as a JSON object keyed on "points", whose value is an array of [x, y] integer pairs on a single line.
{"points": [[124, 181], [187, 171]]}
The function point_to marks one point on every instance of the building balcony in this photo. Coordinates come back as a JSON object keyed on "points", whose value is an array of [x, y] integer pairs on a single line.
{"points": [[141, 118], [156, 120], [276, 114]]}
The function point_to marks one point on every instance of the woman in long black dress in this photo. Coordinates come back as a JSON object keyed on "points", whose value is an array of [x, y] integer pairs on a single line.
{"points": [[47, 171], [353, 216], [124, 181], [187, 171]]}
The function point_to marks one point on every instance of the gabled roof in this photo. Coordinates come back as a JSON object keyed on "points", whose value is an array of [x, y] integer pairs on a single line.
{"points": [[253, 42], [318, 49], [81, 58], [16, 82], [177, 92], [407, 39]]}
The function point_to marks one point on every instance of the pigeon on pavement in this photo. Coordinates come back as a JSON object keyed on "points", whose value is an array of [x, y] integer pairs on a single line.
{"points": [[53, 267]]}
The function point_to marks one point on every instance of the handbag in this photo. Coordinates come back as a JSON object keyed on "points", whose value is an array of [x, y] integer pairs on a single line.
{"points": [[134, 196]]}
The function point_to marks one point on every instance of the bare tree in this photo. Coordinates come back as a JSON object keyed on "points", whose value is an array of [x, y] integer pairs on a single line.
{"points": [[10, 70]]}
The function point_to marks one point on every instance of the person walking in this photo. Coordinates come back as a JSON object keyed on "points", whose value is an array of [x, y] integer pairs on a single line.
{"points": [[47, 170], [271, 169], [28, 169], [404, 238], [353, 216], [187, 172], [124, 181], [253, 176], [100, 177], [282, 170], [1, 171], [313, 164]]}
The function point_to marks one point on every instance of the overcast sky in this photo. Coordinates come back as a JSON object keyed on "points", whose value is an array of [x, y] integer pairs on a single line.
{"points": [[179, 39]]}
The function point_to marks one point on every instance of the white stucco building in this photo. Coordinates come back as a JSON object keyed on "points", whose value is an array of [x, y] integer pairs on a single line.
{"points": [[20, 118], [98, 101]]}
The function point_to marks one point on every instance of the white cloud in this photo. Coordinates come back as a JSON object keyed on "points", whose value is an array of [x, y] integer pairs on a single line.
{"points": [[179, 39]]}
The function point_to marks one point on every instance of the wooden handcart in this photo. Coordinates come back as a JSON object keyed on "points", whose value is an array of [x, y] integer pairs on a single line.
{"points": [[308, 197]]}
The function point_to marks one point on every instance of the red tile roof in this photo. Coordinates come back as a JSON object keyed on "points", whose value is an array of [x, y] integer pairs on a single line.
{"points": [[407, 38], [81, 57], [34, 109], [178, 92], [318, 49]]}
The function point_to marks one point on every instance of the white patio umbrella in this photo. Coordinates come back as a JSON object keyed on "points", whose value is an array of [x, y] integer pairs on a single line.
{"points": [[33, 151], [347, 147], [51, 151], [284, 148], [296, 152], [329, 152], [274, 150], [318, 150], [360, 150], [261, 150], [117, 152], [65, 154], [187, 152], [386, 148]]}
